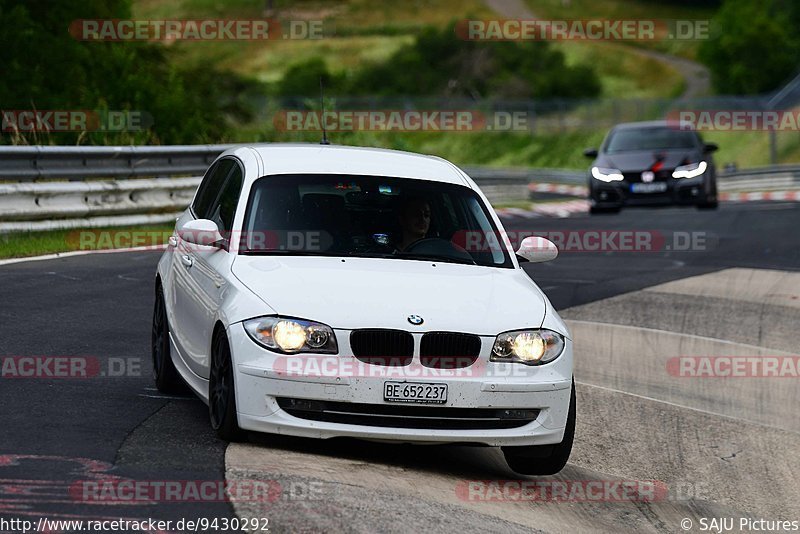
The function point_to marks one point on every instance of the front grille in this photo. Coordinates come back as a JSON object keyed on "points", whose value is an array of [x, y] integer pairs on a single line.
{"points": [[382, 347], [449, 350], [404, 416], [636, 177]]}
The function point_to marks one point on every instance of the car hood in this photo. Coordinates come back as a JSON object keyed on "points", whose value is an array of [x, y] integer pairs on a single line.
{"points": [[381, 293], [644, 159]]}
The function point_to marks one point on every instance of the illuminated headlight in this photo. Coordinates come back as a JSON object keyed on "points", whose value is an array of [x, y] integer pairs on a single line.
{"points": [[291, 335], [690, 171], [531, 347], [607, 175]]}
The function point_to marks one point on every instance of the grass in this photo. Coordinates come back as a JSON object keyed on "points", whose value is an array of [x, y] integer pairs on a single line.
{"points": [[343, 15], [368, 31], [623, 72], [267, 61], [362, 31], [25, 244], [629, 10]]}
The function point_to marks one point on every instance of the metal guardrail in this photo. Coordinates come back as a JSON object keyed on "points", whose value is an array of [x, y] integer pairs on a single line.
{"points": [[30, 163], [132, 185]]}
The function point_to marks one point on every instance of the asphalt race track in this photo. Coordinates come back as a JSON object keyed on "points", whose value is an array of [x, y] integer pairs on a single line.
{"points": [[715, 447]]}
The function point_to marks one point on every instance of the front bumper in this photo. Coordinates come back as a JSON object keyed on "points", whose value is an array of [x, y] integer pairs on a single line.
{"points": [[262, 382], [685, 191]]}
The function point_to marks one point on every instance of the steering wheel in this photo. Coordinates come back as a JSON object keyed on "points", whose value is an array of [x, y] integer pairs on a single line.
{"points": [[436, 246]]}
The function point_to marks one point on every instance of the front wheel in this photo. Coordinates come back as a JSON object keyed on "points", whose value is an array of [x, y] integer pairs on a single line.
{"points": [[544, 459], [221, 393], [165, 375]]}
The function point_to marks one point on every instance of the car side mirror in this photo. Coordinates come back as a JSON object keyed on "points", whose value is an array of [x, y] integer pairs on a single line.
{"points": [[710, 147], [590, 152], [537, 249], [203, 232]]}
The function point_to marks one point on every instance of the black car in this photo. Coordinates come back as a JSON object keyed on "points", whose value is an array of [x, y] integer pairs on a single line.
{"points": [[652, 163]]}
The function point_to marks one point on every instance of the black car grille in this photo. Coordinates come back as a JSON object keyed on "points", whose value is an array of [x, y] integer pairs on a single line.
{"points": [[449, 350], [636, 177], [404, 416], [382, 347]]}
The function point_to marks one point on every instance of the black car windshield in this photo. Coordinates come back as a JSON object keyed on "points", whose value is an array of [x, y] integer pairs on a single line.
{"points": [[370, 216], [631, 139]]}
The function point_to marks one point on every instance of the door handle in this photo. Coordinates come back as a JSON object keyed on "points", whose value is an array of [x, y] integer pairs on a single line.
{"points": [[187, 260]]}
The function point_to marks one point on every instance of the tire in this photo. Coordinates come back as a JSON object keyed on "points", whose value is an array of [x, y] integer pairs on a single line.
{"points": [[544, 459], [221, 392], [165, 375]]}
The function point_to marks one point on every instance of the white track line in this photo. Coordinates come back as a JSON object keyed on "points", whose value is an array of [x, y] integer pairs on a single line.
{"points": [[80, 253]]}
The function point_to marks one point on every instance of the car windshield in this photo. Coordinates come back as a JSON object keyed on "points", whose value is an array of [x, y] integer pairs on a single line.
{"points": [[369, 216], [630, 139]]}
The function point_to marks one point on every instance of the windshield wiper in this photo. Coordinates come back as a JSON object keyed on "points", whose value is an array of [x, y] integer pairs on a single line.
{"points": [[283, 252], [368, 254], [433, 257]]}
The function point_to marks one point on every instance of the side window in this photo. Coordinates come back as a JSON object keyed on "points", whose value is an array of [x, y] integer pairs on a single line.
{"points": [[210, 188], [224, 208]]}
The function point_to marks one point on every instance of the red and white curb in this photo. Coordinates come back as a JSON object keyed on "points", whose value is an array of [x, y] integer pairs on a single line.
{"points": [[561, 189], [553, 209], [792, 196], [726, 196]]}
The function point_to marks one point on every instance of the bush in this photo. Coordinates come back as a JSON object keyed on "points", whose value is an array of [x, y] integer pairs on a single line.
{"points": [[440, 64]]}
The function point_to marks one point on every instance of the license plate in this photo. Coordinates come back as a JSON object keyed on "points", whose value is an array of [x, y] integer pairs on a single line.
{"points": [[653, 187], [418, 392]]}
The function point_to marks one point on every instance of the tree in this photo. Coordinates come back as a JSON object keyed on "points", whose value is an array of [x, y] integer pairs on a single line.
{"points": [[46, 68], [753, 46]]}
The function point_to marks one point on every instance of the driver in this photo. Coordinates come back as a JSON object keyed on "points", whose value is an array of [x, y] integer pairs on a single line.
{"points": [[414, 216]]}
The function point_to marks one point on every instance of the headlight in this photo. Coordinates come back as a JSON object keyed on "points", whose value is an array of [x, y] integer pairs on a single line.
{"points": [[531, 347], [291, 335], [607, 175], [690, 171]]}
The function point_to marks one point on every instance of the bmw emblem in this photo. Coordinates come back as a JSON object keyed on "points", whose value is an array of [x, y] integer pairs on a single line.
{"points": [[648, 176], [415, 320]]}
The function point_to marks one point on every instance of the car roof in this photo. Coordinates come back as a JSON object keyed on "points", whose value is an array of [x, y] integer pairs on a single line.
{"points": [[642, 124], [308, 158]]}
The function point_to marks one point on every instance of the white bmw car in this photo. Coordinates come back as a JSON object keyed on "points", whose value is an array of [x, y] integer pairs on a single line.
{"points": [[326, 291]]}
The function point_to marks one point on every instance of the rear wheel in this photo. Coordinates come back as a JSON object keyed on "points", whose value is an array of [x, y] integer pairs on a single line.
{"points": [[544, 459], [165, 375], [221, 393]]}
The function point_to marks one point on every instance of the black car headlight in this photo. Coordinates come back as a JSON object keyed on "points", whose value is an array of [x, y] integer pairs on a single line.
{"points": [[607, 175], [690, 171], [531, 347]]}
